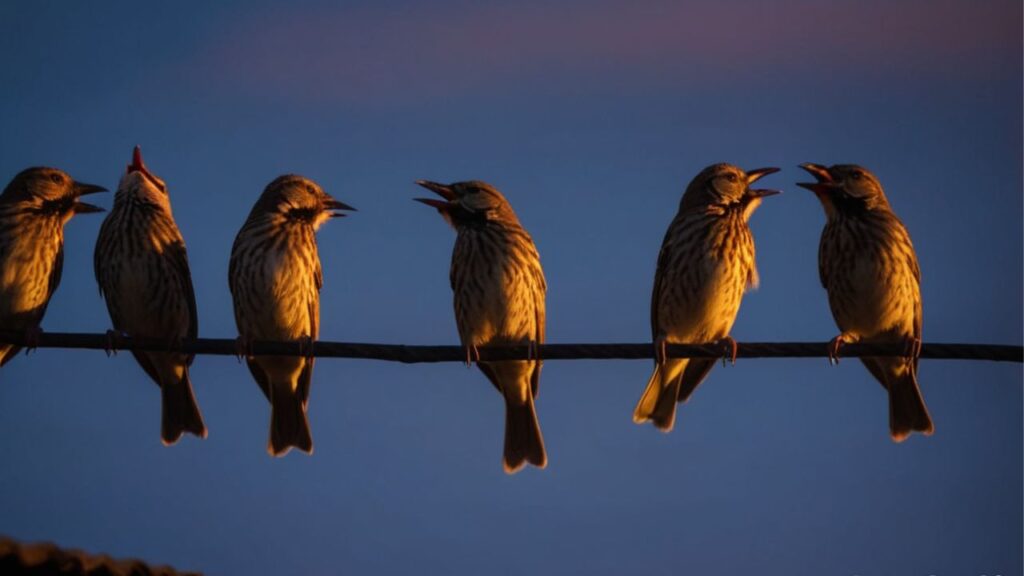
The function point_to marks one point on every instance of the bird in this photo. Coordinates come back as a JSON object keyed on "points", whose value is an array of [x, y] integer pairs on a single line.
{"points": [[705, 265], [142, 270], [34, 207], [275, 279], [869, 269], [499, 288]]}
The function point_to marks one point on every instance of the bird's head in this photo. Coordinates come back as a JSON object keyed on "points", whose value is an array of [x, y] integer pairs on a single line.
{"points": [[141, 183], [50, 191], [727, 186], [467, 203], [844, 187], [299, 199]]}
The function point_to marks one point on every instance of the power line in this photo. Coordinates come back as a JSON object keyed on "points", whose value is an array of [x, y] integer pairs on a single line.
{"points": [[414, 354]]}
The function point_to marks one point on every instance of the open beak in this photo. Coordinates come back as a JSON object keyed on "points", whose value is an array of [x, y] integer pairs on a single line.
{"points": [[439, 189], [332, 204], [81, 189], [824, 182], [762, 192], [758, 173], [138, 166]]}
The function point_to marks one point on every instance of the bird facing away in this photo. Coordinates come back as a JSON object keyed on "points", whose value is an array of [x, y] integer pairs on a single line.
{"points": [[869, 269], [142, 271], [275, 279], [705, 265], [34, 208], [499, 289]]}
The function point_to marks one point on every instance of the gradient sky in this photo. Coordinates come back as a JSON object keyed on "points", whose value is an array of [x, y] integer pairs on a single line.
{"points": [[591, 117]]}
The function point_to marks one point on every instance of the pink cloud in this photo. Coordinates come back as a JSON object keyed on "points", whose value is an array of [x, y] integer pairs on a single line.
{"points": [[330, 54]]}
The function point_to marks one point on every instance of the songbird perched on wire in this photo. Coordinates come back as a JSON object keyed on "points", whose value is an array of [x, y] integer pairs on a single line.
{"points": [[499, 289], [869, 269], [34, 208], [705, 265], [143, 274], [275, 279]]}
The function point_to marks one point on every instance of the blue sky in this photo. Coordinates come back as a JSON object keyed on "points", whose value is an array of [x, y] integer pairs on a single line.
{"points": [[591, 117]]}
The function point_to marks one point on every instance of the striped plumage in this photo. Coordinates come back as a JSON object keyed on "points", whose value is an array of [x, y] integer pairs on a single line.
{"points": [[275, 279], [498, 288], [142, 271], [705, 265], [34, 207], [868, 267]]}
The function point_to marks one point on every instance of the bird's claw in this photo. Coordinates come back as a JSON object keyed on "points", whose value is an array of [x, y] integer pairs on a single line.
{"points": [[912, 348], [532, 350], [472, 353], [833, 348], [660, 354], [731, 350], [306, 347], [32, 337], [243, 348], [113, 343]]}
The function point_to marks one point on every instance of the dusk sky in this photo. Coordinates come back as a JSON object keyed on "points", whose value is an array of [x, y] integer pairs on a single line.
{"points": [[591, 117]]}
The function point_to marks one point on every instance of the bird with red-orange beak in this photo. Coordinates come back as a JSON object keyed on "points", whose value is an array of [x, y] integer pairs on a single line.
{"points": [[869, 269], [499, 291], [705, 265], [142, 270]]}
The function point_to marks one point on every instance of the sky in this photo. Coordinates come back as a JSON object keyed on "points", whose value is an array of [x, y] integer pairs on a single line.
{"points": [[591, 117]]}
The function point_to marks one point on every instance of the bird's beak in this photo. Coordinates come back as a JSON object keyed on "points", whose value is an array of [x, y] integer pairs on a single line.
{"points": [[439, 189], [758, 173], [138, 166], [824, 182], [81, 189], [762, 192], [333, 204]]}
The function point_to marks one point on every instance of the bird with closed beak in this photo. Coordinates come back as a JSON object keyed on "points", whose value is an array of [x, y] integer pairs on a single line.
{"points": [[34, 207], [142, 270], [705, 265], [869, 269], [499, 290], [275, 279]]}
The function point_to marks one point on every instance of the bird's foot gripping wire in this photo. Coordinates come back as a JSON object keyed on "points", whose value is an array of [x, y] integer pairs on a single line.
{"points": [[114, 341], [532, 350], [912, 348], [32, 337], [306, 347], [472, 354], [731, 350], [243, 348], [835, 344], [660, 355]]}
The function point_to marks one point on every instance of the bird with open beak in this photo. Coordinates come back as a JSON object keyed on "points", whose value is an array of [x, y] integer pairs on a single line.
{"points": [[34, 207], [142, 270], [499, 291], [705, 265], [869, 269]]}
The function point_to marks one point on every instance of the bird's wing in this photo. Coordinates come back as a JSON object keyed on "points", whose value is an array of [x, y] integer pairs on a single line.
{"points": [[664, 255], [178, 257], [540, 318], [306, 376]]}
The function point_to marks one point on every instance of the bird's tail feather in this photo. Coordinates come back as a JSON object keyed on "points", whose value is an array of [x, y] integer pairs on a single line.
{"points": [[289, 426], [523, 440], [907, 411], [179, 411], [658, 403]]}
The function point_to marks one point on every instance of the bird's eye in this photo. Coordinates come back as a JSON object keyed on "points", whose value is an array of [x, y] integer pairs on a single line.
{"points": [[56, 178], [856, 175], [730, 177], [311, 190]]}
